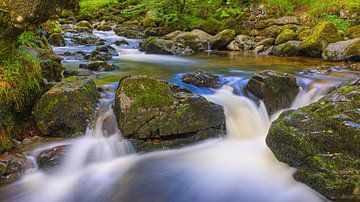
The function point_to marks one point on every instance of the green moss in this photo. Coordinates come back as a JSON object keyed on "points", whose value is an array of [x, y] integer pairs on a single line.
{"points": [[324, 34], [285, 36], [353, 32], [148, 92], [83, 24]]}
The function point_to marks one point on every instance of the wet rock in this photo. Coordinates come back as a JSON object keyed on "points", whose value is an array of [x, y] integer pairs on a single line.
{"points": [[83, 26], [99, 56], [222, 39], [167, 47], [323, 70], [323, 34], [84, 39], [76, 97], [99, 66], [51, 158], [78, 72], [202, 79], [343, 50], [107, 49], [79, 55], [121, 42], [290, 48], [130, 30], [285, 36], [157, 116], [12, 167], [56, 39], [266, 42], [241, 42], [197, 40], [277, 90], [31, 140], [322, 141]]}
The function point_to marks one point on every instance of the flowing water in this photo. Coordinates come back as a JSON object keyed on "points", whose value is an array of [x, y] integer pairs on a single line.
{"points": [[102, 166]]}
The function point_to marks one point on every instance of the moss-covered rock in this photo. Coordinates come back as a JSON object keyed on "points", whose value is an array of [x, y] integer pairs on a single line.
{"points": [[130, 29], [222, 39], [67, 108], [167, 47], [343, 50], [323, 34], [50, 65], [197, 40], [83, 26], [322, 141], [158, 116], [151, 19], [202, 79], [210, 25], [285, 36], [56, 39], [290, 48], [353, 32], [277, 90]]}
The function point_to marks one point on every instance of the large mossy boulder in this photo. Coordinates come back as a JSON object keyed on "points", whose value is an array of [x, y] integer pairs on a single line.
{"points": [[285, 36], [277, 90], [222, 39], [322, 141], [163, 46], [197, 39], [67, 108], [56, 39], [290, 48], [343, 50], [157, 115], [353, 32], [323, 34]]}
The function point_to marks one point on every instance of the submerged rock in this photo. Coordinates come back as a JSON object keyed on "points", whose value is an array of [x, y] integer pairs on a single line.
{"points": [[12, 167], [202, 79], [51, 158], [162, 46], [99, 66], [277, 90], [158, 116], [322, 141], [324, 34], [67, 108], [343, 50]]}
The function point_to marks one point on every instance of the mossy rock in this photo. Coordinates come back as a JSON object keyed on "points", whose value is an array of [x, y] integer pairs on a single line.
{"points": [[277, 90], [56, 39], [304, 33], [67, 108], [151, 19], [290, 48], [324, 34], [322, 141], [197, 39], [353, 32], [167, 47], [84, 24], [210, 25], [285, 36], [154, 113], [222, 39]]}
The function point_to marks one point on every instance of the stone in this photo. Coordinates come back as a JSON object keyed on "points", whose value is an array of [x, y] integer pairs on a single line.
{"points": [[107, 49], [222, 39], [67, 108], [202, 79], [56, 39], [322, 141], [290, 48], [323, 34], [277, 90], [241, 42], [285, 36], [99, 56], [267, 42], [99, 66], [353, 32], [78, 72], [167, 47], [50, 159], [197, 40], [343, 50], [121, 42], [158, 116], [12, 167]]}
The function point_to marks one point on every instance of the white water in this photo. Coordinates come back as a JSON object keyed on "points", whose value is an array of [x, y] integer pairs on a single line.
{"points": [[239, 167]]}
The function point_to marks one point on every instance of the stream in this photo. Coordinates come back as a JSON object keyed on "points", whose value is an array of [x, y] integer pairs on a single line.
{"points": [[103, 166]]}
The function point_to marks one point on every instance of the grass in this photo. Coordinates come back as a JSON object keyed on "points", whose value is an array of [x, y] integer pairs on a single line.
{"points": [[88, 7]]}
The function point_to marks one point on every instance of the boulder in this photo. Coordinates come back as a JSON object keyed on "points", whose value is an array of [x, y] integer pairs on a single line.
{"points": [[285, 36], [76, 97], [12, 167], [267, 42], [107, 49], [104, 28], [322, 141], [78, 72], [241, 42], [197, 39], [56, 39], [99, 66], [167, 47], [83, 26], [130, 30], [150, 19], [99, 56], [290, 48], [277, 90], [323, 34], [50, 159], [286, 20], [343, 50], [121, 42], [222, 39], [86, 39], [353, 32], [157, 115], [202, 79]]}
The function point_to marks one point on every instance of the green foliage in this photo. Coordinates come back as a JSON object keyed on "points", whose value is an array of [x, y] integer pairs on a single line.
{"points": [[341, 24], [287, 5], [88, 7], [28, 39]]}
